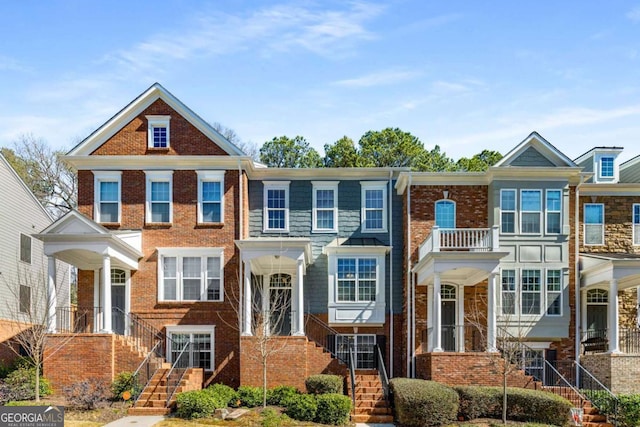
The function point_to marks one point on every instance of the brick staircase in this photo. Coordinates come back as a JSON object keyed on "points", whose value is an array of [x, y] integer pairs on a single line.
{"points": [[371, 406], [153, 399]]}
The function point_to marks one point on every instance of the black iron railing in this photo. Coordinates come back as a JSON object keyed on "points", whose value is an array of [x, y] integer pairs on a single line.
{"points": [[630, 341], [77, 320], [382, 372], [179, 367], [322, 334], [145, 371], [595, 341], [352, 374]]}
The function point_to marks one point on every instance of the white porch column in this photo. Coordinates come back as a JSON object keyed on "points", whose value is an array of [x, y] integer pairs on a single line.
{"points": [[248, 301], [300, 300], [97, 302], [106, 294], [437, 314], [491, 314], [613, 312], [52, 299], [460, 327]]}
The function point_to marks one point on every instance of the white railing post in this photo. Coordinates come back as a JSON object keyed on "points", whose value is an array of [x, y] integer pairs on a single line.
{"points": [[435, 234], [495, 238]]}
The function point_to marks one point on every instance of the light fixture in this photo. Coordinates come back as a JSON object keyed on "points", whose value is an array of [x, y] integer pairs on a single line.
{"points": [[445, 193]]}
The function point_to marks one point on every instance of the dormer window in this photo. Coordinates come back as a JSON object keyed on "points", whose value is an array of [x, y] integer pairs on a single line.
{"points": [[606, 167], [158, 131]]}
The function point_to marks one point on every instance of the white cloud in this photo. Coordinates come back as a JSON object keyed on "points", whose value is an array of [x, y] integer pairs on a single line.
{"points": [[634, 14], [380, 78], [12, 64]]}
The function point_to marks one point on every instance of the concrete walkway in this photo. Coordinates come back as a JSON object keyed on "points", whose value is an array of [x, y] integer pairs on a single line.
{"points": [[136, 421]]}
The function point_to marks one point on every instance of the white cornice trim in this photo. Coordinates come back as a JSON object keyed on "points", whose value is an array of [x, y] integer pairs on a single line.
{"points": [[619, 189], [159, 162]]}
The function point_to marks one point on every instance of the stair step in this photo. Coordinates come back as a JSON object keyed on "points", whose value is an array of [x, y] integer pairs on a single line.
{"points": [[594, 418], [148, 411], [372, 403], [374, 419], [592, 424], [372, 411]]}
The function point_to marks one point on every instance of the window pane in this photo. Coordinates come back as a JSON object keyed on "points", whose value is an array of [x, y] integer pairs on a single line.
{"points": [[606, 166], [108, 191], [553, 200], [553, 222], [25, 299], [508, 292], [508, 222], [530, 292], [324, 219], [445, 214], [159, 191], [530, 222], [593, 234], [366, 279], [25, 248], [346, 279], [593, 214], [159, 136], [213, 278], [108, 212], [160, 212], [374, 199], [373, 220], [191, 278], [531, 200], [276, 199], [276, 219], [211, 191], [324, 199], [211, 212], [201, 351], [508, 200], [554, 292], [169, 272]]}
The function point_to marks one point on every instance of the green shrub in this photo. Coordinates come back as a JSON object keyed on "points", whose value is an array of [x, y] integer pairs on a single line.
{"points": [[423, 403], [323, 383], [250, 396], [22, 383], [301, 407], [5, 369], [628, 410], [333, 409], [86, 394], [281, 393], [124, 381], [522, 405], [223, 395], [195, 404]]}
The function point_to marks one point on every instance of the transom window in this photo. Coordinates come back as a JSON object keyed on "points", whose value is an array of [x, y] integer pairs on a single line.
{"points": [[606, 167], [159, 196], [593, 224], [25, 248], [210, 196], [325, 206], [530, 211], [357, 279], [554, 292], [107, 196], [276, 206], [374, 206], [636, 224], [200, 353], [190, 274], [508, 211], [448, 292], [554, 211], [446, 214], [158, 131], [597, 296]]}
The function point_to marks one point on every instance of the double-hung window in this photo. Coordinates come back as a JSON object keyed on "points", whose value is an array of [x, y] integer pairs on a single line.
{"points": [[25, 248], [325, 206], [508, 211], [374, 206], [158, 131], [606, 167], [530, 211], [593, 224], [159, 197], [357, 279], [210, 197], [276, 206], [190, 274], [554, 292], [25, 299], [446, 214], [107, 196], [636, 224], [363, 347], [508, 292], [554, 211], [530, 292], [200, 350]]}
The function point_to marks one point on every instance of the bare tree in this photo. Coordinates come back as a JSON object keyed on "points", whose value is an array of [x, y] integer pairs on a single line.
{"points": [[248, 147], [41, 168]]}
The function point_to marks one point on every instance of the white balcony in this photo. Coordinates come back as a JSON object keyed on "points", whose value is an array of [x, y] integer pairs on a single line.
{"points": [[461, 239]]}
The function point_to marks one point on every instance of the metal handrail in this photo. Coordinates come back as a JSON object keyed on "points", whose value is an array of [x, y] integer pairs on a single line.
{"points": [[352, 373], [382, 372], [318, 331], [176, 367], [146, 365], [601, 388], [145, 336]]}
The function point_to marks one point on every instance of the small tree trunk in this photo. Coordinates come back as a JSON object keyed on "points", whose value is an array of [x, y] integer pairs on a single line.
{"points": [[504, 397], [264, 383], [37, 382]]}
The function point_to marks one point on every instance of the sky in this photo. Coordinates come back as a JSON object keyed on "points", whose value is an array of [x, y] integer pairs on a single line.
{"points": [[464, 75]]}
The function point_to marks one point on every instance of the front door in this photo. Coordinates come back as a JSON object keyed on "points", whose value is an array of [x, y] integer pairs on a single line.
{"points": [[448, 312], [280, 304], [118, 297], [597, 305]]}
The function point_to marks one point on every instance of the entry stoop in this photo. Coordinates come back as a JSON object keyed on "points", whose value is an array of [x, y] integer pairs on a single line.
{"points": [[593, 418], [153, 399], [370, 406]]}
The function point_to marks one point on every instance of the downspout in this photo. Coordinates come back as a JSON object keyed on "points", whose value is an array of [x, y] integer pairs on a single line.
{"points": [[578, 299], [240, 237], [409, 277], [391, 346]]}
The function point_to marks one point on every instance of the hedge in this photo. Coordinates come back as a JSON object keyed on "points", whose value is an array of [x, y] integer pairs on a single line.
{"points": [[195, 404], [333, 409], [423, 403], [301, 407], [324, 383], [522, 404]]}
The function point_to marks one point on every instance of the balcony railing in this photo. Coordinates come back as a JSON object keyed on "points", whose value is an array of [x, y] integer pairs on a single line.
{"points": [[452, 337], [461, 239]]}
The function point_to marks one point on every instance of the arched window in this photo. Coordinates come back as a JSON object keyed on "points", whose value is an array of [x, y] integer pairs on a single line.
{"points": [[446, 214], [448, 292], [597, 296], [117, 276]]}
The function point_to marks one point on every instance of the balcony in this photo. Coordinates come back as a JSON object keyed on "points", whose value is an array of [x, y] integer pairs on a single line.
{"points": [[460, 240]]}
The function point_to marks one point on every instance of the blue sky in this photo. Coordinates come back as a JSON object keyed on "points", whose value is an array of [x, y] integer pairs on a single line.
{"points": [[465, 75]]}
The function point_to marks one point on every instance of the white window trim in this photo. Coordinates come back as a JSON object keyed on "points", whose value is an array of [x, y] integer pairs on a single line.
{"points": [[193, 329], [584, 224], [373, 185], [547, 211], [601, 175], [522, 211], [455, 210], [189, 252], [633, 224], [541, 293], [546, 292], [20, 248], [158, 176], [275, 185], [515, 214], [106, 176], [210, 176], [325, 185], [514, 292], [158, 121]]}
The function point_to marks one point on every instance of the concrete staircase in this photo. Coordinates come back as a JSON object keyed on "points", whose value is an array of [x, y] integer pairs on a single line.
{"points": [[371, 406], [153, 399]]}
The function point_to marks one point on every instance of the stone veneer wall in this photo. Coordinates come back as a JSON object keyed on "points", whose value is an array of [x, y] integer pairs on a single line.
{"points": [[618, 372]]}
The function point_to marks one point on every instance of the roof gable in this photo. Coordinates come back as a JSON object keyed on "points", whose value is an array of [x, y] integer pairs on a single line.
{"points": [[73, 222], [535, 151], [20, 183], [140, 104]]}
